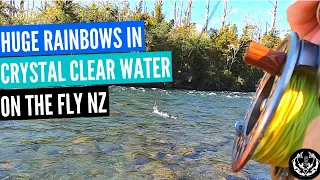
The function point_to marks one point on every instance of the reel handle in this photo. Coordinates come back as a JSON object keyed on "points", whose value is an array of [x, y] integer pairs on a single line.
{"points": [[265, 58]]}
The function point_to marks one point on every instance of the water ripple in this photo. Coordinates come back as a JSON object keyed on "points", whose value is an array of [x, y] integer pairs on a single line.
{"points": [[187, 135]]}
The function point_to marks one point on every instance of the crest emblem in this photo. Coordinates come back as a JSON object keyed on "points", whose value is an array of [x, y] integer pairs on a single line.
{"points": [[305, 164]]}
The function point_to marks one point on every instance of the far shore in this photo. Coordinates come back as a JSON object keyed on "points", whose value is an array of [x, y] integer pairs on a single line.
{"points": [[171, 87]]}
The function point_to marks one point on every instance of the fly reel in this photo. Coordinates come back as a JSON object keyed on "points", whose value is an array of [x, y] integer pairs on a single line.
{"points": [[278, 67]]}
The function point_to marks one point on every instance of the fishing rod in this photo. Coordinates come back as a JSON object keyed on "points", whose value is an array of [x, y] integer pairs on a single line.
{"points": [[285, 103]]}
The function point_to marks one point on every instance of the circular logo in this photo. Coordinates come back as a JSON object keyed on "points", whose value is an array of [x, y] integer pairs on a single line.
{"points": [[305, 164]]}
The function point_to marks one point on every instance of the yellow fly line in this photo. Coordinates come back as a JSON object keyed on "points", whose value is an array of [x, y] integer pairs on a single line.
{"points": [[298, 106]]}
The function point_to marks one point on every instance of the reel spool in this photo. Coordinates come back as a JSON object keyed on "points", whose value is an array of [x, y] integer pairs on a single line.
{"points": [[278, 66]]}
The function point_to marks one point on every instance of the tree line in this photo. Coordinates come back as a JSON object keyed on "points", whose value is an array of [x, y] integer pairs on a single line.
{"points": [[206, 60]]}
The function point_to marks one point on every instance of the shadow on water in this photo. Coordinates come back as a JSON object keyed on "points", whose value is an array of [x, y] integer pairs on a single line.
{"points": [[151, 134]]}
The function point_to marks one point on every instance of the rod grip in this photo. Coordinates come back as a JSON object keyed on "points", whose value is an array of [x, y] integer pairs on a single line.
{"points": [[265, 58]]}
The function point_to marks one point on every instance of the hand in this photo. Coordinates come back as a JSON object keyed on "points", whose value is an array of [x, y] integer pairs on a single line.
{"points": [[311, 139], [302, 19]]}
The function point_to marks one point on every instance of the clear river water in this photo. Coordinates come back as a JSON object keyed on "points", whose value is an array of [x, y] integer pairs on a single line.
{"points": [[150, 134]]}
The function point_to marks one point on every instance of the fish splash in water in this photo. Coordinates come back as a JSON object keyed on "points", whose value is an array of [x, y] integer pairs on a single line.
{"points": [[161, 113]]}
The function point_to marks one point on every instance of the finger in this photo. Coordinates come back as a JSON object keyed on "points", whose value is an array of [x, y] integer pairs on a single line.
{"points": [[302, 17], [301, 11], [314, 35], [312, 136], [306, 29]]}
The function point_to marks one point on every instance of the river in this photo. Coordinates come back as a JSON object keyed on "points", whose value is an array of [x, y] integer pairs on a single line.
{"points": [[150, 134]]}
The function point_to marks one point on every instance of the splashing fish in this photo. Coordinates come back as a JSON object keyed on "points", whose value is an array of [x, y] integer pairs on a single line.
{"points": [[161, 113]]}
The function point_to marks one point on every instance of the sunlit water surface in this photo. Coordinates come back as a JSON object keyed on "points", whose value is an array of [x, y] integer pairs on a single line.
{"points": [[151, 134]]}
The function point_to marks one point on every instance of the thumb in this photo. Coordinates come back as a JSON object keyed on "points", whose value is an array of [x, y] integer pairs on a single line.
{"points": [[312, 136]]}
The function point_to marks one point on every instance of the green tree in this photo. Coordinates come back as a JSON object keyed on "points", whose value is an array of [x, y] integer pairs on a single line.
{"points": [[7, 12], [60, 12], [271, 40], [158, 11]]}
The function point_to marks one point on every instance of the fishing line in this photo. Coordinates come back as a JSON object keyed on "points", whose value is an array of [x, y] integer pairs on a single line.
{"points": [[285, 134]]}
